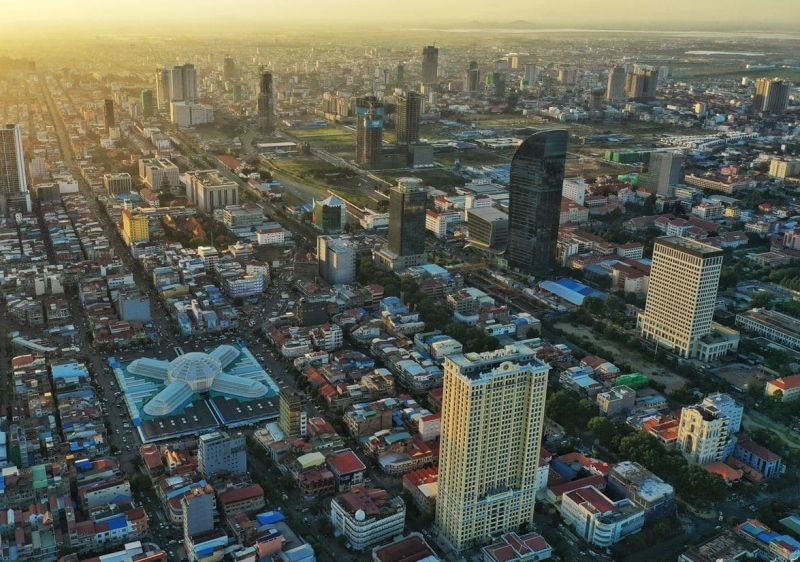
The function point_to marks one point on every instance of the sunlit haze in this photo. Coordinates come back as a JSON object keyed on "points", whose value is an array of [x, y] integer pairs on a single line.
{"points": [[678, 14]]}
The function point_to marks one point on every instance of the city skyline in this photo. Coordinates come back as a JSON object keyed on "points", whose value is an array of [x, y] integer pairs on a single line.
{"points": [[716, 14]]}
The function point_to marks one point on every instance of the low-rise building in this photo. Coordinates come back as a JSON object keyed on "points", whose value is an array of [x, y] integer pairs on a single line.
{"points": [[597, 519], [412, 548], [512, 547], [643, 488], [616, 400], [366, 517], [788, 388], [776, 327]]}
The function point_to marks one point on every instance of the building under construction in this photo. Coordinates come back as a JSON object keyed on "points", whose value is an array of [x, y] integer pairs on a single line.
{"points": [[369, 131], [409, 107]]}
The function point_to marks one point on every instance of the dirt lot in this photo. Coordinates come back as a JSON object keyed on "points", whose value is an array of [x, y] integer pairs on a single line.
{"points": [[622, 355]]}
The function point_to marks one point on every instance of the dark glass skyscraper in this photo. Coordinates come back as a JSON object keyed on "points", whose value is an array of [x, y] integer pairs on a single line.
{"points": [[430, 64], [108, 113], [369, 130], [147, 103], [537, 176], [407, 217], [409, 107], [266, 111]]}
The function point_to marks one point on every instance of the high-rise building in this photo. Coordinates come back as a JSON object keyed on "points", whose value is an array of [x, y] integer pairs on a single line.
{"points": [[228, 69], [681, 294], [266, 109], [537, 177], [616, 84], [772, 96], [430, 64], [330, 215], [108, 114], [596, 100], [117, 184], [491, 430], [147, 103], [292, 420], [369, 130], [664, 172], [135, 228], [473, 77], [400, 75], [183, 83], [13, 181], [702, 434], [407, 217], [337, 259], [488, 228], [409, 108], [641, 84], [219, 451], [198, 506], [531, 74], [162, 88]]}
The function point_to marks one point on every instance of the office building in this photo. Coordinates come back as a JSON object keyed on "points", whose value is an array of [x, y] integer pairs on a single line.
{"points": [[531, 74], [330, 215], [365, 517], [702, 434], [160, 174], [266, 109], [430, 64], [491, 430], [473, 77], [598, 519], [369, 130], [210, 190], [681, 296], [13, 181], [771, 97], [148, 108], [407, 217], [409, 108], [198, 507], [228, 69], [293, 419], [665, 171], [108, 114], [135, 228], [221, 452], [183, 83], [184, 114], [163, 96], [537, 178], [117, 184], [337, 259], [400, 77], [615, 91], [488, 228]]}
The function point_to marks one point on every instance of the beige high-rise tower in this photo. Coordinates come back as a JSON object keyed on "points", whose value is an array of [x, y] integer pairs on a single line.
{"points": [[492, 418], [681, 295]]}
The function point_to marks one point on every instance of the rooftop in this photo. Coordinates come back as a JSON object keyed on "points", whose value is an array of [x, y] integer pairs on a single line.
{"points": [[690, 246]]}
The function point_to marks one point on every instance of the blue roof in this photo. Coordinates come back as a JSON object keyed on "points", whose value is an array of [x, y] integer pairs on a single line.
{"points": [[570, 290], [84, 464], [270, 517]]}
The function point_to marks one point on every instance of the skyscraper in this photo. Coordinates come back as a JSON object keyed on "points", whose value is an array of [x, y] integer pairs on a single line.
{"points": [[407, 217], [266, 109], [681, 295], [616, 84], [183, 83], [492, 418], [641, 84], [13, 181], [531, 73], [147, 103], [430, 64], [162, 87], [664, 171], [228, 69], [772, 96], [369, 130], [108, 114], [401, 71], [337, 259], [537, 176], [409, 107], [473, 77]]}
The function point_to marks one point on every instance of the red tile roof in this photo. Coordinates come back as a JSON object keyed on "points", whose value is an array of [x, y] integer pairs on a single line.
{"points": [[594, 498], [787, 383], [240, 494], [345, 462]]}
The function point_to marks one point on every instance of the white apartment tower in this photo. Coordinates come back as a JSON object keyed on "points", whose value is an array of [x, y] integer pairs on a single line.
{"points": [[574, 189], [220, 452], [337, 259], [492, 418], [683, 289]]}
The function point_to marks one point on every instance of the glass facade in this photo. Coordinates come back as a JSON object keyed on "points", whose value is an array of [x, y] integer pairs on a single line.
{"points": [[537, 175], [407, 217]]}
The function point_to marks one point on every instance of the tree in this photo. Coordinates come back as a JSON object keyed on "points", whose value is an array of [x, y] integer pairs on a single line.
{"points": [[603, 429]]}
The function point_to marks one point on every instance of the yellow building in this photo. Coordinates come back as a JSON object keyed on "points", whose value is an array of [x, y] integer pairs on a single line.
{"points": [[492, 419], [702, 434], [135, 228]]}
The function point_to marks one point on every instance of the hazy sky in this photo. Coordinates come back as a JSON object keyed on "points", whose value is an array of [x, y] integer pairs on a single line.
{"points": [[690, 14]]}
